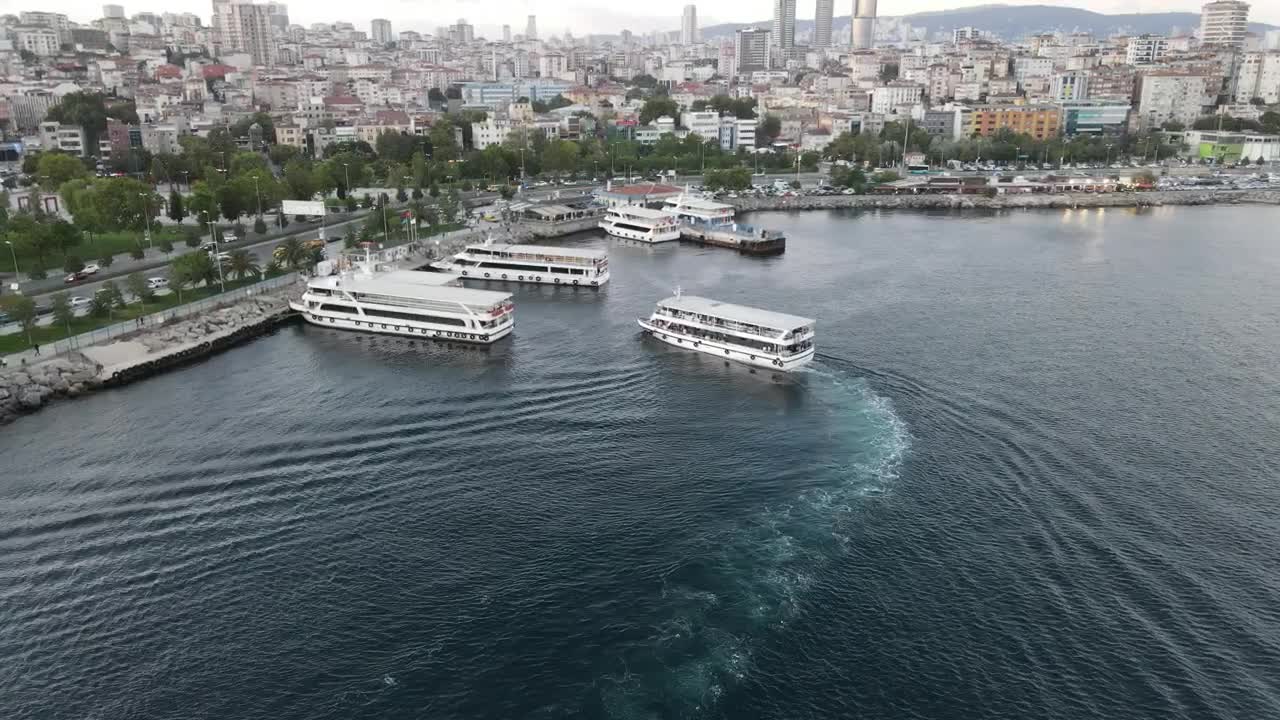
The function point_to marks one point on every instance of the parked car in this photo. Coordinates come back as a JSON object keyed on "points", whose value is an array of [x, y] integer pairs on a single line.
{"points": [[79, 302], [90, 269], [157, 283]]}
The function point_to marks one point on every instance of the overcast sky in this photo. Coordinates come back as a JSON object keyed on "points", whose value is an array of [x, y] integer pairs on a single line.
{"points": [[582, 16]]}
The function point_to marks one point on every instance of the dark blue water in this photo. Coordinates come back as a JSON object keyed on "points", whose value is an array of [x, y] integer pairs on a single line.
{"points": [[1036, 474]]}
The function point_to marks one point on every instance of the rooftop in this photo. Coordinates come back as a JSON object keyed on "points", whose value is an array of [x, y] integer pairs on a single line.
{"points": [[548, 250], [412, 284], [738, 313], [642, 212], [639, 189]]}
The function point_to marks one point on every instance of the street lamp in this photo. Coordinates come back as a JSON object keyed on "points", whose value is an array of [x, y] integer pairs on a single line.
{"points": [[217, 260], [1109, 146], [257, 195], [15, 257], [346, 176], [146, 217]]}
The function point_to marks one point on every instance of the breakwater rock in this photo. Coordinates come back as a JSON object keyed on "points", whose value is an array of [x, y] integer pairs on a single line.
{"points": [[1001, 202], [153, 348], [28, 388]]}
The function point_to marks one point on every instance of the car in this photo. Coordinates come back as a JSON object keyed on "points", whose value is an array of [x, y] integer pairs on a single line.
{"points": [[224, 257], [73, 277], [209, 246], [156, 283], [91, 269], [79, 302], [5, 319]]}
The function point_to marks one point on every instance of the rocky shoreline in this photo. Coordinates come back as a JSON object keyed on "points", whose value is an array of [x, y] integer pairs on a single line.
{"points": [[1002, 202], [138, 355]]}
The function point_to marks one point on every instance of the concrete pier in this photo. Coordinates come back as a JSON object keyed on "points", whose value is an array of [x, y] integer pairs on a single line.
{"points": [[743, 238]]}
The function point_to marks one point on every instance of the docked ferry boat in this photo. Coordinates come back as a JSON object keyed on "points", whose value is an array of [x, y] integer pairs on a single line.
{"points": [[530, 263], [761, 338], [636, 222], [696, 210], [408, 303]]}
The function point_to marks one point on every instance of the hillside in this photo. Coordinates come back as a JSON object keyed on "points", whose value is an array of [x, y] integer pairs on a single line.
{"points": [[1015, 21]]}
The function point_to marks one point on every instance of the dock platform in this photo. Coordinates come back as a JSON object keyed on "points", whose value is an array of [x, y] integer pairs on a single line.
{"points": [[736, 236]]}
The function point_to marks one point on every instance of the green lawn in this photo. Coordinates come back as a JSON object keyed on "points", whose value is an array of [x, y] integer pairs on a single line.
{"points": [[17, 342], [95, 246]]}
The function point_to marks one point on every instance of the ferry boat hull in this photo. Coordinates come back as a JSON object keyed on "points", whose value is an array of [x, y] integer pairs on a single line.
{"points": [[757, 358], [648, 236], [401, 327], [523, 276]]}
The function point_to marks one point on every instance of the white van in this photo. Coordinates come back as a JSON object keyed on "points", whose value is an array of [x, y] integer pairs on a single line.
{"points": [[156, 283]]}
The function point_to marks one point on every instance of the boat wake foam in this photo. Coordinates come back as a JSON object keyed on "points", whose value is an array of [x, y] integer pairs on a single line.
{"points": [[751, 579]]}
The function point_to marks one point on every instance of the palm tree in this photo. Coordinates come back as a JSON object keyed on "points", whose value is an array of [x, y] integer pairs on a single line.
{"points": [[295, 253], [243, 264]]}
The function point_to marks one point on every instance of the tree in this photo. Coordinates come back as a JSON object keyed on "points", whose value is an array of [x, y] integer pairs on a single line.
{"points": [[111, 292], [137, 252], [282, 154], [644, 81], [300, 179], [62, 312], [243, 264], [72, 264], [657, 107], [55, 168], [22, 309], [768, 130], [507, 192], [106, 260], [138, 287], [230, 202], [732, 179], [350, 204], [560, 156], [293, 252], [90, 111], [178, 278], [259, 225], [450, 204], [401, 195], [197, 267], [177, 211]]}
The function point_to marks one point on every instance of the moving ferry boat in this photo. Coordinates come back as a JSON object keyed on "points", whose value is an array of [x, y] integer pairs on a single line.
{"points": [[530, 263], [734, 332], [407, 302], [635, 222]]}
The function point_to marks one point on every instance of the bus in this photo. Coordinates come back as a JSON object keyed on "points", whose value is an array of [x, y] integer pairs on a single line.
{"points": [[917, 169]]}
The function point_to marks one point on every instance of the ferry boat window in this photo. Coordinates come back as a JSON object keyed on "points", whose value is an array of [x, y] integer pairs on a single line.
{"points": [[391, 314]]}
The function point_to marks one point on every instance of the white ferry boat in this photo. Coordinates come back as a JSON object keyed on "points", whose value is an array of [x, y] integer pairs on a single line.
{"points": [[530, 263], [409, 303], [635, 222], [734, 332], [700, 211]]}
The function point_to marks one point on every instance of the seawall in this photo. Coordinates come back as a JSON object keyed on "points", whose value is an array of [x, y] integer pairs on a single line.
{"points": [[151, 350], [999, 202]]}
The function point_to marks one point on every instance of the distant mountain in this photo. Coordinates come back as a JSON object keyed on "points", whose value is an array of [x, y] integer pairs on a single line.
{"points": [[1012, 22]]}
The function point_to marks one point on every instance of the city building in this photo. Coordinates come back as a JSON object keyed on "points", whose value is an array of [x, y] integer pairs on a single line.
{"points": [[864, 24], [737, 133], [1224, 23], [887, 99], [822, 18], [380, 31], [1231, 147], [531, 28], [1174, 96], [1070, 86], [113, 11], [1258, 76], [490, 132], [1146, 49], [750, 51], [64, 138], [784, 24], [250, 32], [705, 123], [38, 40], [1094, 117], [689, 25], [1039, 121], [947, 123]]}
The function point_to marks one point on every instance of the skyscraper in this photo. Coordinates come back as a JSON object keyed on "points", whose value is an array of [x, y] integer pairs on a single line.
{"points": [[279, 15], [380, 31], [531, 28], [1224, 23], [822, 23], [864, 24], [506, 33], [784, 24], [113, 11], [750, 51], [250, 32], [689, 25]]}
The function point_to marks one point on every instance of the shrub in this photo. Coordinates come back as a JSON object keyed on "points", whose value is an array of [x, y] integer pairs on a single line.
{"points": [[136, 252], [106, 260], [260, 226], [72, 264], [166, 245]]}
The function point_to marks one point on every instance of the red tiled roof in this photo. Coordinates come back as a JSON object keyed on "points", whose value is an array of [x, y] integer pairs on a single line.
{"points": [[217, 71]]}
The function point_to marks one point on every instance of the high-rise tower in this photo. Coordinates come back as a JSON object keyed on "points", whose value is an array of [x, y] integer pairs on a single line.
{"points": [[689, 25], [531, 28], [864, 24], [822, 23]]}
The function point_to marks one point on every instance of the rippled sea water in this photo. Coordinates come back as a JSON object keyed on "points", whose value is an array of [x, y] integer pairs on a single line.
{"points": [[1034, 474]]}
